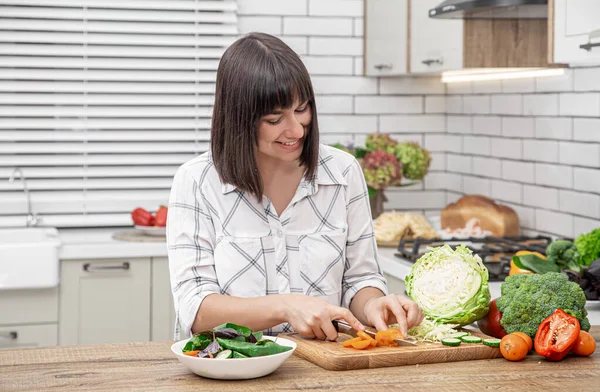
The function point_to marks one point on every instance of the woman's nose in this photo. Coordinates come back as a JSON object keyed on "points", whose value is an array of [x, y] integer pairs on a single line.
{"points": [[295, 129]]}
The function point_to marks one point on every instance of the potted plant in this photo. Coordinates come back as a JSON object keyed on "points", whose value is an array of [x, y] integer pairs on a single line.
{"points": [[384, 162]]}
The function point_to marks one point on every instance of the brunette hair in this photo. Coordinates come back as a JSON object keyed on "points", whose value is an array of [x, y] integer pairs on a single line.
{"points": [[257, 74]]}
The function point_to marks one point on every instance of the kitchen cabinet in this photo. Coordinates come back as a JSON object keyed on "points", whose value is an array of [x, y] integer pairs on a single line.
{"points": [[435, 44], [386, 37], [163, 311], [576, 23], [105, 301], [20, 336]]}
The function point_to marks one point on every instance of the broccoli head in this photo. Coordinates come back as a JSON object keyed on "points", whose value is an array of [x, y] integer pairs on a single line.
{"points": [[564, 254], [527, 299]]}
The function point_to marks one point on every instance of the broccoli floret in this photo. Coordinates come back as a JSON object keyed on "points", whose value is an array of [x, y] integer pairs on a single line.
{"points": [[564, 254], [527, 299]]}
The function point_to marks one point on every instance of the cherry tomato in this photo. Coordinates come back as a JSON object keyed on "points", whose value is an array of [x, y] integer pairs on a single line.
{"points": [[526, 338], [513, 347], [585, 345]]}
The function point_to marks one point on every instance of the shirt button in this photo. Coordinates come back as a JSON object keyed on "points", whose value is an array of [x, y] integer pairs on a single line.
{"points": [[279, 233]]}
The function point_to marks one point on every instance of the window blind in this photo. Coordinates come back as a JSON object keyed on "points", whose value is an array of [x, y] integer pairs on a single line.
{"points": [[101, 101]]}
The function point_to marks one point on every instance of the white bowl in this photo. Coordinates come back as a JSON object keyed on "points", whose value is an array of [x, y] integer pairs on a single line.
{"points": [[156, 231], [234, 368]]}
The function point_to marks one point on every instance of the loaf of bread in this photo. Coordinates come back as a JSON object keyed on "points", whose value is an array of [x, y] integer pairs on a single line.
{"points": [[499, 219]]}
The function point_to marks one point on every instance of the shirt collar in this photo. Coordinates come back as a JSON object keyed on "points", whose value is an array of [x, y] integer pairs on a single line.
{"points": [[327, 173]]}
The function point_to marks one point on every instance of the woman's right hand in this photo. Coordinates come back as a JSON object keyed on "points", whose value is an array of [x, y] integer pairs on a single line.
{"points": [[311, 316]]}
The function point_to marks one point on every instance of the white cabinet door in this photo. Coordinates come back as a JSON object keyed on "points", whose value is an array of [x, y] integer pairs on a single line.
{"points": [[574, 21], [163, 311], [435, 44], [104, 301], [386, 37]]}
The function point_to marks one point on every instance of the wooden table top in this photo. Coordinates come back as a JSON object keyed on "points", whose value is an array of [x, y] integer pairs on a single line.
{"points": [[150, 366]]}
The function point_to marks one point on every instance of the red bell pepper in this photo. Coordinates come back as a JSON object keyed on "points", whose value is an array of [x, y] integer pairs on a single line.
{"points": [[556, 335], [141, 217], [161, 217]]}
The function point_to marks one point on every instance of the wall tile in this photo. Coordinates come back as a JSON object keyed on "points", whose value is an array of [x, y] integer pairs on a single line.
{"points": [[580, 104], [541, 197], [265, 24], [580, 154], [435, 104], [540, 105], [476, 104], [584, 225], [507, 104], [454, 104], [303, 25], [487, 167], [554, 222], [554, 175], [555, 83], [507, 148], [587, 179], [507, 191], [585, 204], [518, 126], [587, 129], [344, 85], [554, 128], [335, 7], [359, 27], [487, 125], [540, 150], [525, 85], [587, 79], [518, 171], [458, 124], [379, 104], [347, 123], [334, 104], [477, 145], [411, 86], [458, 163], [271, 7], [322, 65], [350, 46], [412, 123], [477, 186]]}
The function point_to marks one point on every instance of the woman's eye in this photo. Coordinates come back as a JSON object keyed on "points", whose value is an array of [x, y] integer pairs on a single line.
{"points": [[274, 122], [302, 110]]}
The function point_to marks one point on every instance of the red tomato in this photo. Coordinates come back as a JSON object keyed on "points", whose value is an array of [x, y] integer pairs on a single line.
{"points": [[160, 218], [490, 324], [141, 217]]}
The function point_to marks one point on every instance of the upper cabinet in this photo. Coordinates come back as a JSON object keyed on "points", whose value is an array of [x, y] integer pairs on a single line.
{"points": [[576, 30], [435, 45], [386, 37]]}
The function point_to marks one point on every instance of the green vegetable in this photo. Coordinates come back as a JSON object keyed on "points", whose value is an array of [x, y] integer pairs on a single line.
{"points": [[492, 342], [564, 254], [471, 339], [259, 349], [238, 355], [224, 354], [459, 335], [527, 299], [451, 286], [198, 342], [452, 342], [415, 160], [534, 263], [588, 246]]}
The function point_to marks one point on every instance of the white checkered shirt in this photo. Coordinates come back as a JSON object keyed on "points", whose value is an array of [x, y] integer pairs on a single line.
{"points": [[222, 240]]}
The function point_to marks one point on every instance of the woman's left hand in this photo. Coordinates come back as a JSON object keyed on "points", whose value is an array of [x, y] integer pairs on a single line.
{"points": [[393, 309]]}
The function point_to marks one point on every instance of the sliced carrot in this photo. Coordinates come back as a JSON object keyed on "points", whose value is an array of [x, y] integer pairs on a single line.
{"points": [[349, 342], [373, 343], [192, 353], [361, 345], [210, 355], [364, 336]]}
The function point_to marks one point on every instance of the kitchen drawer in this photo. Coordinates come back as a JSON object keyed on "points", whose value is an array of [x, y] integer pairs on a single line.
{"points": [[29, 306], [19, 336]]}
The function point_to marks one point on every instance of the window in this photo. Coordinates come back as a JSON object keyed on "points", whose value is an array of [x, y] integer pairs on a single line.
{"points": [[102, 100]]}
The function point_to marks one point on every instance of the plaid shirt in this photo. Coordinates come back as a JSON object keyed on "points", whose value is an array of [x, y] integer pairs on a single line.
{"points": [[222, 240]]}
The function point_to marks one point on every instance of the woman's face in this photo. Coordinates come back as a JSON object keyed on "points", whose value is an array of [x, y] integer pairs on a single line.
{"points": [[281, 134]]}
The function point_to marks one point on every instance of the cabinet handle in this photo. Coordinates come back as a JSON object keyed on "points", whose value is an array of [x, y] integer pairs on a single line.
{"points": [[12, 335], [87, 267], [379, 67], [433, 61], [590, 45]]}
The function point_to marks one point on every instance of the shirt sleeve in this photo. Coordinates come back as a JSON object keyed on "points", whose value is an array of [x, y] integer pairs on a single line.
{"points": [[362, 268], [190, 239]]}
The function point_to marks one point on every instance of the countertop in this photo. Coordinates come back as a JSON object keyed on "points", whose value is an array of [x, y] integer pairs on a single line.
{"points": [[151, 366]]}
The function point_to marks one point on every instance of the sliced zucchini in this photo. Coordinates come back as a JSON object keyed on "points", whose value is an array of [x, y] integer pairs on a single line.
{"points": [[492, 342], [471, 339], [459, 335], [238, 355], [224, 354], [453, 342]]}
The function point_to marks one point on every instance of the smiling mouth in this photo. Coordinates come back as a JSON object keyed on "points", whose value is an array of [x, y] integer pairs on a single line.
{"points": [[289, 144]]}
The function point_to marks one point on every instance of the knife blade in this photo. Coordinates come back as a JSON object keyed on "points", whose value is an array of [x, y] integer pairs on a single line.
{"points": [[343, 327]]}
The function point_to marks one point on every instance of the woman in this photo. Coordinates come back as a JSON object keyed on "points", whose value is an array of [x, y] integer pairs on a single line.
{"points": [[270, 229]]}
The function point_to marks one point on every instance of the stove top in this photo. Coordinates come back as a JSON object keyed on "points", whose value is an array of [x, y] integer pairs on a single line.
{"points": [[495, 252]]}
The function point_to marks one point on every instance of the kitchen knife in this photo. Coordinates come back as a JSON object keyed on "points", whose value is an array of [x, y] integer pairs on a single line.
{"points": [[343, 327]]}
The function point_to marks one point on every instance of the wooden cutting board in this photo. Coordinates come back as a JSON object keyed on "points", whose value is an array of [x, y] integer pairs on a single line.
{"points": [[332, 356]]}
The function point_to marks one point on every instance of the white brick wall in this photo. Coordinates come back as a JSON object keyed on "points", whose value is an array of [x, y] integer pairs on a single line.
{"points": [[533, 144]]}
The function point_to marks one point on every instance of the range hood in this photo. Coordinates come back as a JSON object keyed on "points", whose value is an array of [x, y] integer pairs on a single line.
{"points": [[491, 9]]}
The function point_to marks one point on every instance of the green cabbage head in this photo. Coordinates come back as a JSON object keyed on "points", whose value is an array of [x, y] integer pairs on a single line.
{"points": [[451, 286]]}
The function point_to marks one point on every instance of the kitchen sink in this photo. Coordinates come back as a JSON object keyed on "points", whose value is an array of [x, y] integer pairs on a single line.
{"points": [[29, 258]]}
